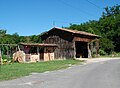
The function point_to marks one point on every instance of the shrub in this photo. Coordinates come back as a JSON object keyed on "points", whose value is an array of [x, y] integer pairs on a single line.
{"points": [[102, 52], [6, 59]]}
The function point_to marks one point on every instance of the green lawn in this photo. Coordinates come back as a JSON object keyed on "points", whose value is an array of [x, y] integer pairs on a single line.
{"points": [[15, 70]]}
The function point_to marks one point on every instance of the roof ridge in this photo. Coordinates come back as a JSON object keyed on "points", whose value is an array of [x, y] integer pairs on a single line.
{"points": [[76, 31]]}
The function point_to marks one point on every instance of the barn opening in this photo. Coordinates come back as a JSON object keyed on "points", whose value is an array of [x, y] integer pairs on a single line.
{"points": [[41, 51], [81, 49]]}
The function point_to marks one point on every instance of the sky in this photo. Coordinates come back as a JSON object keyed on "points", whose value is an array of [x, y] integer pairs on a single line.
{"points": [[32, 17]]}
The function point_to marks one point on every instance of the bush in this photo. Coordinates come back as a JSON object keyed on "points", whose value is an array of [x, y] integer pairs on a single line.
{"points": [[102, 52], [6, 59], [115, 54]]}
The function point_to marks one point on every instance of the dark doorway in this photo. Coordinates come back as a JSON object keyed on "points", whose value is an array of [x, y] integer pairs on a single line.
{"points": [[81, 49], [41, 51]]}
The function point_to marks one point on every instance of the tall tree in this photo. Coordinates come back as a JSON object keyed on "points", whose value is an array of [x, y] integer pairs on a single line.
{"points": [[108, 27]]}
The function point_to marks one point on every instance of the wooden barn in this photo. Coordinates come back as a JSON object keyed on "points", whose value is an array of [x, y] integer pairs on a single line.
{"points": [[72, 43], [60, 43]]}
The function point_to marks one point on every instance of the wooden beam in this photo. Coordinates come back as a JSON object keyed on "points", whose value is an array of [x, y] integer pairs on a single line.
{"points": [[0, 57]]}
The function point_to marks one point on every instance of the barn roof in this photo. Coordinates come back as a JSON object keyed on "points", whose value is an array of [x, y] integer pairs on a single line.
{"points": [[74, 32], [39, 44]]}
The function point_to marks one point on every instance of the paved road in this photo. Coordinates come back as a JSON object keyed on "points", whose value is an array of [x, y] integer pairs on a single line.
{"points": [[105, 74]]}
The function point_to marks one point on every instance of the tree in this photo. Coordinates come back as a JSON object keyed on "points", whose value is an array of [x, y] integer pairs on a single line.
{"points": [[108, 27], [2, 34]]}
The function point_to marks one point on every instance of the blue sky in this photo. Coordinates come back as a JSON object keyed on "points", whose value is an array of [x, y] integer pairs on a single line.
{"points": [[29, 17]]}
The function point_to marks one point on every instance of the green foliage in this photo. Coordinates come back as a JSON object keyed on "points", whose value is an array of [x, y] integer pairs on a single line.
{"points": [[6, 59], [15, 38], [106, 45], [108, 27], [110, 11], [102, 52]]}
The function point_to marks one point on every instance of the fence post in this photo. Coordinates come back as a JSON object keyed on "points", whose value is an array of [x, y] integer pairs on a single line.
{"points": [[0, 57]]}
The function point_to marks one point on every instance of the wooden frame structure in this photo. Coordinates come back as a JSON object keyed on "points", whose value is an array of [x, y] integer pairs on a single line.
{"points": [[9, 51], [72, 43], [35, 52]]}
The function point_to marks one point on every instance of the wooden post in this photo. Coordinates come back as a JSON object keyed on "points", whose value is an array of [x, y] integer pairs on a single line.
{"points": [[92, 47], [0, 57], [74, 50], [97, 47], [89, 51], [38, 52]]}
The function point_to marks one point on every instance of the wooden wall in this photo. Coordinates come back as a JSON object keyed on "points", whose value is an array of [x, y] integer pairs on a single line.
{"points": [[65, 43], [65, 48]]}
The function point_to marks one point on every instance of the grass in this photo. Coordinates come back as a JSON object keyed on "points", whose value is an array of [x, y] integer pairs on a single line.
{"points": [[16, 70]]}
